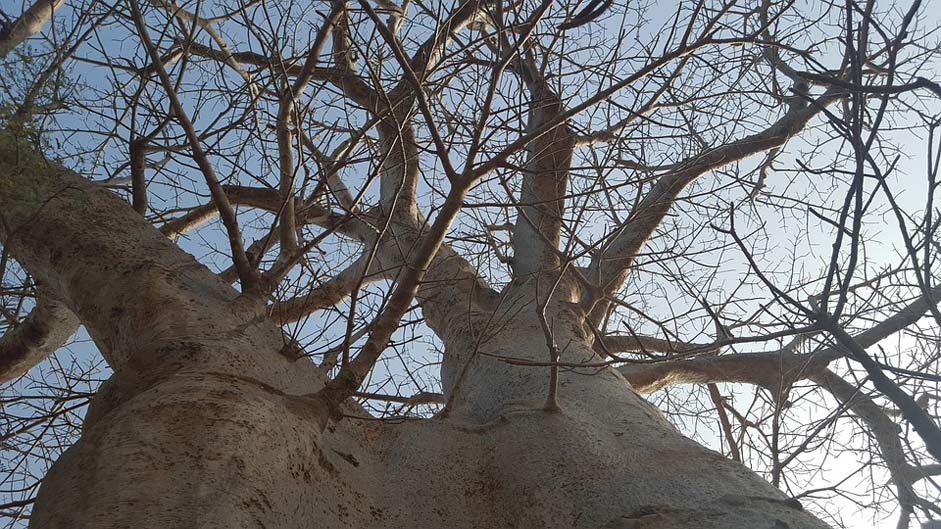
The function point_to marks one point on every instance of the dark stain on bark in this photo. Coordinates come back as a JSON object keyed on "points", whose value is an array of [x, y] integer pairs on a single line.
{"points": [[349, 458], [325, 464]]}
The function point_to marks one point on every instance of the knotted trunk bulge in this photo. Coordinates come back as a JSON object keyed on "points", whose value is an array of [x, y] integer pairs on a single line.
{"points": [[202, 425], [207, 450]]}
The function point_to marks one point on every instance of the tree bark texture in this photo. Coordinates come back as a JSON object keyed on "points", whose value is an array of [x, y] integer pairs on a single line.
{"points": [[206, 424]]}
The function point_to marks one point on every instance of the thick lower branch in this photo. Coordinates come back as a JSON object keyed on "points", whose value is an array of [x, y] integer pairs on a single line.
{"points": [[47, 328], [151, 308], [30, 22], [771, 371]]}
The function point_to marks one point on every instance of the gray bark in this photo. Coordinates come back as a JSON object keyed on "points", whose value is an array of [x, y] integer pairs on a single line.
{"points": [[28, 24], [47, 328], [204, 424]]}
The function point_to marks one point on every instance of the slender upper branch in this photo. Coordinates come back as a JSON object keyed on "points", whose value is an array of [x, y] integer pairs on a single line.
{"points": [[610, 265], [247, 273]]}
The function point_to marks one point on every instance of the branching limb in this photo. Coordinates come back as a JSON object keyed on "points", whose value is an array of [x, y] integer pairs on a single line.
{"points": [[884, 431], [353, 226], [640, 343], [538, 227], [327, 294], [417, 399], [287, 121], [610, 264], [353, 373], [719, 403], [767, 370], [189, 20], [247, 273], [926, 427], [30, 22], [613, 132], [771, 370], [47, 328]]}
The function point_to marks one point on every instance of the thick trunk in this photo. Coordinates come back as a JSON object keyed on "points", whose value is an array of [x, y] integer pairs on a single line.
{"points": [[203, 424], [212, 450]]}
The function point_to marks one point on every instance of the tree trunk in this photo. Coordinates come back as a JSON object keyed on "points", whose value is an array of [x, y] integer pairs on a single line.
{"points": [[205, 424], [208, 450]]}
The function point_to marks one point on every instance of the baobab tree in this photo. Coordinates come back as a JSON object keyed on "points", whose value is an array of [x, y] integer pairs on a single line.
{"points": [[376, 264]]}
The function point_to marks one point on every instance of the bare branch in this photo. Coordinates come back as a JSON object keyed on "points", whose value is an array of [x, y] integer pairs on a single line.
{"points": [[247, 273], [545, 180], [30, 22], [610, 264], [885, 432], [47, 328]]}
